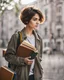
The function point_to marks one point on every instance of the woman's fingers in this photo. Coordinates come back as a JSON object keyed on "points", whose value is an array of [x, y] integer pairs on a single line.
{"points": [[28, 61]]}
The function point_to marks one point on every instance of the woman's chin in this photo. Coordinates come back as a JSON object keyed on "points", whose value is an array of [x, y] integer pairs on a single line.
{"points": [[36, 28]]}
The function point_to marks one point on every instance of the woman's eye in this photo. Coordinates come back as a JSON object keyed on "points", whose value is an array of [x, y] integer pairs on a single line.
{"points": [[34, 19]]}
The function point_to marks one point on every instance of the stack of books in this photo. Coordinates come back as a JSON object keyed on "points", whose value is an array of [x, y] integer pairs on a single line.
{"points": [[6, 73]]}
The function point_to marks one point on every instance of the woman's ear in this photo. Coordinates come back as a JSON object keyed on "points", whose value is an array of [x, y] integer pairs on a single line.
{"points": [[26, 22]]}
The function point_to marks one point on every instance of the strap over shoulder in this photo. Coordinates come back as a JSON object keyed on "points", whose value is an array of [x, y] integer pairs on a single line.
{"points": [[19, 40]]}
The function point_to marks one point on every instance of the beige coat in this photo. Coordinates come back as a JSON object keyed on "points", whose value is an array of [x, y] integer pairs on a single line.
{"points": [[18, 64]]}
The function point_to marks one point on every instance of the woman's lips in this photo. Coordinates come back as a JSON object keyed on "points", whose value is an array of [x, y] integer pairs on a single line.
{"points": [[36, 25]]}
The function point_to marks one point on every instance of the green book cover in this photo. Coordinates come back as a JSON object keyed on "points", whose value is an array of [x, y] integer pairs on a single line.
{"points": [[33, 55]]}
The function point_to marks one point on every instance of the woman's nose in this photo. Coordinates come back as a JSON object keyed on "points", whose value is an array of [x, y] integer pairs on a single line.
{"points": [[37, 22]]}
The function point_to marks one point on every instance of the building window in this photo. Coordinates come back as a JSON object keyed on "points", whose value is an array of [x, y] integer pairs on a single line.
{"points": [[59, 32], [63, 46], [51, 0], [58, 46], [46, 1], [59, 9], [45, 31], [46, 12], [48, 44], [45, 44], [59, 19]]}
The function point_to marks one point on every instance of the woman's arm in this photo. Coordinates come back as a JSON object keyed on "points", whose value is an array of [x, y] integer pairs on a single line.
{"points": [[10, 55]]}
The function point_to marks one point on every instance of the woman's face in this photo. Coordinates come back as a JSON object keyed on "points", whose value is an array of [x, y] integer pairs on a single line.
{"points": [[34, 22]]}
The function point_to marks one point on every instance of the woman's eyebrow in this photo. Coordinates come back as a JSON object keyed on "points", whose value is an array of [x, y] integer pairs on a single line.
{"points": [[35, 18]]}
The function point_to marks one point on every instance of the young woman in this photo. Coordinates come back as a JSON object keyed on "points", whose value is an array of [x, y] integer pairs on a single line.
{"points": [[25, 68]]}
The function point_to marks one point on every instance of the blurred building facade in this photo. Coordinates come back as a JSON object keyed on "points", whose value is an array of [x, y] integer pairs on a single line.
{"points": [[52, 30]]}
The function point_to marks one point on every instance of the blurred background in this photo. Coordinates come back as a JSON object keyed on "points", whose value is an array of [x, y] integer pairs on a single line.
{"points": [[51, 31]]}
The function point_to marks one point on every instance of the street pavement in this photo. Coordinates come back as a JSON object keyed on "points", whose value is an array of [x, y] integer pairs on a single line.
{"points": [[53, 65]]}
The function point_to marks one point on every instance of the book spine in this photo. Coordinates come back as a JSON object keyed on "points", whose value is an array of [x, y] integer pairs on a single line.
{"points": [[14, 76]]}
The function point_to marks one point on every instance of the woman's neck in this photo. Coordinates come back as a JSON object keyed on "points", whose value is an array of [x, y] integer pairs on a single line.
{"points": [[28, 30]]}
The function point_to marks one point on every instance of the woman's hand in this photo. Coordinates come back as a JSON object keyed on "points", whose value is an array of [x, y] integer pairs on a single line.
{"points": [[28, 61]]}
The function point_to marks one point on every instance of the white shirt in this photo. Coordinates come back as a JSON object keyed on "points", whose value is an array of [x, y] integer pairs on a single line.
{"points": [[31, 39]]}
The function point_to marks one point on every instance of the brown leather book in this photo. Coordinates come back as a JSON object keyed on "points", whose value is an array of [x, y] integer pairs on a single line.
{"points": [[6, 73], [26, 49]]}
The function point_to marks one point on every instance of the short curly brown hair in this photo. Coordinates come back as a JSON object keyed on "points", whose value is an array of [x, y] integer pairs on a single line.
{"points": [[28, 12]]}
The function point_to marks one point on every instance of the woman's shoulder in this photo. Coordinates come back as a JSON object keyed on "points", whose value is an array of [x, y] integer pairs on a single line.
{"points": [[18, 31], [15, 35]]}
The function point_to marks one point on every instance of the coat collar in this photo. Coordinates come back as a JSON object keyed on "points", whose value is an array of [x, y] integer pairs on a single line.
{"points": [[24, 34]]}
